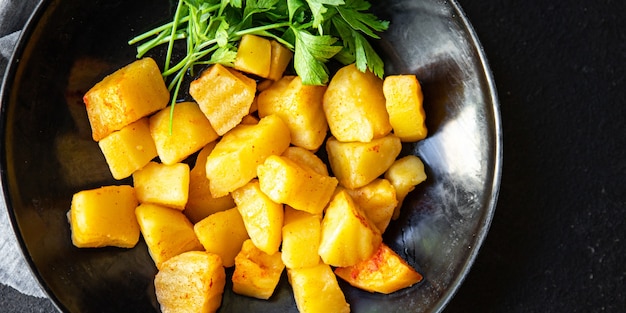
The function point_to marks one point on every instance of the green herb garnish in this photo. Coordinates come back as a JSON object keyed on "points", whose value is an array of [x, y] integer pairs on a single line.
{"points": [[315, 30]]}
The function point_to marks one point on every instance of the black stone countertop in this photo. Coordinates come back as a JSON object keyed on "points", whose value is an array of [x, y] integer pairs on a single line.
{"points": [[557, 242]]}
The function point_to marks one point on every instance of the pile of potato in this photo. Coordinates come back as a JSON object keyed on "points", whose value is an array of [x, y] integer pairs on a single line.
{"points": [[257, 196]]}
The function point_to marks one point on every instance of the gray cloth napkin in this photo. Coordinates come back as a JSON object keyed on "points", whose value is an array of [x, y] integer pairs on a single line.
{"points": [[14, 270]]}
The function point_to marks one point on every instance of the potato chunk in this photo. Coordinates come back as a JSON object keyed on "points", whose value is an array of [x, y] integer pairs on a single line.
{"points": [[301, 238], [300, 106], [188, 132], [128, 149], [222, 233], [167, 232], [378, 200], [356, 164], [224, 96], [163, 184], [201, 202], [404, 174], [306, 158], [262, 217], [284, 181], [316, 290], [130, 93], [404, 98], [191, 282], [256, 272], [348, 236], [354, 105], [104, 217], [281, 56], [385, 272], [235, 158], [254, 55]]}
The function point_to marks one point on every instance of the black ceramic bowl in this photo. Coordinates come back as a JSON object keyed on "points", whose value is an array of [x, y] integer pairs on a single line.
{"points": [[47, 154]]}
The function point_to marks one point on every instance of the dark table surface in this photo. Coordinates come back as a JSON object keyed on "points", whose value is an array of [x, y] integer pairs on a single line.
{"points": [[557, 242]]}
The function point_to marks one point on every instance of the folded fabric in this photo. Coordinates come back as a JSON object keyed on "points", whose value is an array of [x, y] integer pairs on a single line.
{"points": [[14, 270]]}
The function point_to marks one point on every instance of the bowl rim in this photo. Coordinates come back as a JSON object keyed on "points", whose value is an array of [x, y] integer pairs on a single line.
{"points": [[485, 223]]}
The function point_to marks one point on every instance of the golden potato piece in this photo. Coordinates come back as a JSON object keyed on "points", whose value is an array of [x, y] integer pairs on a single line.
{"points": [[281, 56], [163, 184], [306, 158], [348, 236], [301, 238], [224, 95], [316, 290], [201, 202], [284, 181], [300, 107], [356, 164], [262, 217], [378, 200], [128, 149], [404, 174], [167, 232], [180, 135], [104, 217], [256, 272], [222, 233], [403, 94], [236, 156], [130, 93], [254, 55], [191, 282], [385, 272], [354, 105]]}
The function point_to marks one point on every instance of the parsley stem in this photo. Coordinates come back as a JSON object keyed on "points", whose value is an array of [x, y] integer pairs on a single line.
{"points": [[258, 29], [170, 46]]}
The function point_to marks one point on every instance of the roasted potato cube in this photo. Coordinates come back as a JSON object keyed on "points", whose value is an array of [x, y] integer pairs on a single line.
{"points": [[132, 92], [307, 159], [354, 104], [348, 235], [128, 149], [403, 94], [404, 174], [224, 96], [300, 107], [356, 164], [167, 232], [281, 56], [260, 86], [378, 200], [301, 238], [201, 202], [236, 156], [163, 184], [316, 290], [104, 217], [254, 55], [256, 272], [249, 120], [222, 233], [385, 272], [284, 181], [187, 133], [262, 217], [191, 282]]}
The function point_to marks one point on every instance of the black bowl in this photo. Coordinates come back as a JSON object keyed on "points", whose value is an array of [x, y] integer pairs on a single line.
{"points": [[47, 154]]}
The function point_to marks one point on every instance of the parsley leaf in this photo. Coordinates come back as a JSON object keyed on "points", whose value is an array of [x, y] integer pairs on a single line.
{"points": [[312, 52]]}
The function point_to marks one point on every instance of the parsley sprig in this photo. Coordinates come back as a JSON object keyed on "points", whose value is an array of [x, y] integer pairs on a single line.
{"points": [[315, 30]]}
